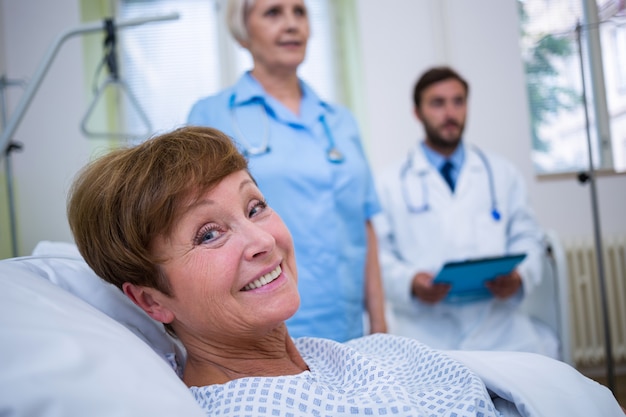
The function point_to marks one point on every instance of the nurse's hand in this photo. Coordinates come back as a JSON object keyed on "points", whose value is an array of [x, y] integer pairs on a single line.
{"points": [[506, 285], [424, 289]]}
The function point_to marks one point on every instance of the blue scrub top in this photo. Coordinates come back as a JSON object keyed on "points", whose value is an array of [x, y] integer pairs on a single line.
{"points": [[325, 205]]}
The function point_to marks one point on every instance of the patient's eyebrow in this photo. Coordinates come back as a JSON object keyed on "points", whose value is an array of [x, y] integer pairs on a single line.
{"points": [[246, 182], [209, 201]]}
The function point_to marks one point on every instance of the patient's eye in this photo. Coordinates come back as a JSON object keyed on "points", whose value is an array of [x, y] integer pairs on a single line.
{"points": [[208, 234], [258, 206]]}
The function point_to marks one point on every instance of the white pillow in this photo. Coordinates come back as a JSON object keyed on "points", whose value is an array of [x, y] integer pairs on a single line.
{"points": [[59, 356], [62, 264], [52, 248]]}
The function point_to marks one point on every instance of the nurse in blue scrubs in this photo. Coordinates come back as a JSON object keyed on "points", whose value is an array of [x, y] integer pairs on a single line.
{"points": [[307, 157]]}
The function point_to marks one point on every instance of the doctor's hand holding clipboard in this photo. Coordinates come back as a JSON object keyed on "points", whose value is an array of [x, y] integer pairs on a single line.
{"points": [[428, 291], [470, 280], [505, 286]]}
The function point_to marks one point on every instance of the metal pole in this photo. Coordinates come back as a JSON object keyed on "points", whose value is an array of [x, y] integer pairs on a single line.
{"points": [[602, 119], [596, 227], [4, 82], [40, 73]]}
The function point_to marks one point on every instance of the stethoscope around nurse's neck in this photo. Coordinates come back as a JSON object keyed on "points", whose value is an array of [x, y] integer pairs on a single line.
{"points": [[425, 206], [333, 154]]}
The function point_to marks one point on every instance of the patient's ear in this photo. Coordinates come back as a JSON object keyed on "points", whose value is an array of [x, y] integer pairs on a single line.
{"points": [[148, 299]]}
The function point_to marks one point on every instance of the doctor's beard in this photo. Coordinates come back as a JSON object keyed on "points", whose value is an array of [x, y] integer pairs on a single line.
{"points": [[438, 140]]}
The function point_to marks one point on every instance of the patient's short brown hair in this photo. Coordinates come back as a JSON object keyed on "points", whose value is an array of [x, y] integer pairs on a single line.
{"points": [[121, 201]]}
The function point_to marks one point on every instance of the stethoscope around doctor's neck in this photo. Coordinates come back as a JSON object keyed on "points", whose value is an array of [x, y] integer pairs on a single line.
{"points": [[333, 154], [425, 206]]}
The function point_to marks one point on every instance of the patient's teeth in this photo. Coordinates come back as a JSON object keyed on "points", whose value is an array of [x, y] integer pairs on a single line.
{"points": [[264, 280]]}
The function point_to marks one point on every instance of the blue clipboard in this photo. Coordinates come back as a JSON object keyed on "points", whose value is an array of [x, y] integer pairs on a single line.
{"points": [[467, 278]]}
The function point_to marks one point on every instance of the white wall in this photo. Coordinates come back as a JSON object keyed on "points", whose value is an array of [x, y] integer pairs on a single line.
{"points": [[401, 38], [480, 39], [53, 146]]}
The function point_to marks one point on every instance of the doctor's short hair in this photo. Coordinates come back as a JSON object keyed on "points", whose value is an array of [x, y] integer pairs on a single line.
{"points": [[122, 201], [432, 76]]}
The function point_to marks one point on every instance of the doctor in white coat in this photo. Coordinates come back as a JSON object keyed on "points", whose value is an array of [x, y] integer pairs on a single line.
{"points": [[426, 222]]}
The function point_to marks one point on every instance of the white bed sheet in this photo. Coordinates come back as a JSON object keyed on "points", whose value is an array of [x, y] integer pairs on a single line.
{"points": [[540, 386]]}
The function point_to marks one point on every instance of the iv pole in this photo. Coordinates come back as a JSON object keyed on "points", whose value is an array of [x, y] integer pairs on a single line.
{"points": [[12, 146], [6, 144], [590, 176], [41, 71]]}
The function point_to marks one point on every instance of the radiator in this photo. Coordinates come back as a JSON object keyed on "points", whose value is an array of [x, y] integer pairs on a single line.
{"points": [[587, 323]]}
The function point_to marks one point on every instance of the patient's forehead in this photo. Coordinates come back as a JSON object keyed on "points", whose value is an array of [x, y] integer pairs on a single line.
{"points": [[195, 195]]}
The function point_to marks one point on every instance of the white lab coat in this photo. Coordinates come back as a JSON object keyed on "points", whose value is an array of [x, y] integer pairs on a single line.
{"points": [[458, 226]]}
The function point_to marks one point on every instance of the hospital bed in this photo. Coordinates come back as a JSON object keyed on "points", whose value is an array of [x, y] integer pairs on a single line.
{"points": [[549, 302], [73, 345]]}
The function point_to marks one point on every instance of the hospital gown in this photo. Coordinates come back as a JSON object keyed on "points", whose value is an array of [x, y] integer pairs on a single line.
{"points": [[379, 375]]}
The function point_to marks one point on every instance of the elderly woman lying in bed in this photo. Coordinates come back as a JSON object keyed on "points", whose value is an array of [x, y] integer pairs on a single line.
{"points": [[179, 225]]}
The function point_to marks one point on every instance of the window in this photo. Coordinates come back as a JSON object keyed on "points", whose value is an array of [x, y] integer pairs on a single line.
{"points": [[169, 65], [552, 31]]}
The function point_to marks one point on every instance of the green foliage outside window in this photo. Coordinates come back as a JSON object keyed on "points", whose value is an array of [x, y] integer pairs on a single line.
{"points": [[546, 96]]}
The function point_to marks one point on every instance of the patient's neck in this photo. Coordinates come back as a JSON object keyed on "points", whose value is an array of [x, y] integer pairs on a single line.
{"points": [[209, 364]]}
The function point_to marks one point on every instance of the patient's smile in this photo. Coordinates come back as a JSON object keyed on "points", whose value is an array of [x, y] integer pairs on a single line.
{"points": [[264, 280]]}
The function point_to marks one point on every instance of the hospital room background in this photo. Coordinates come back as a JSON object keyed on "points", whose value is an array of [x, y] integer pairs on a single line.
{"points": [[375, 50]]}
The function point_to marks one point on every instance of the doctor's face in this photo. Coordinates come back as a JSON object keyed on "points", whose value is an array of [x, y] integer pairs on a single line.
{"points": [[442, 111], [231, 265], [278, 32]]}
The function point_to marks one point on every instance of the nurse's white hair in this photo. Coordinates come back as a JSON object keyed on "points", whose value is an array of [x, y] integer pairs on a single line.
{"points": [[236, 14]]}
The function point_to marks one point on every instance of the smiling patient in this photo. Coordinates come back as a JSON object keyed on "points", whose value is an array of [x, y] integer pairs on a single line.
{"points": [[178, 224]]}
